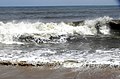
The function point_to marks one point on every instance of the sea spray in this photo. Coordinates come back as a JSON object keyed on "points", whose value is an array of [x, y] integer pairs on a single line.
{"points": [[39, 32]]}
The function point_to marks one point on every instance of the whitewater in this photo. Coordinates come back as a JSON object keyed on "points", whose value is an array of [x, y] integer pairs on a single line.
{"points": [[58, 37], [52, 44], [38, 32]]}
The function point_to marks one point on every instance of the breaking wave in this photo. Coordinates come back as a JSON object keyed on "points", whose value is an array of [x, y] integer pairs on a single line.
{"points": [[39, 32]]}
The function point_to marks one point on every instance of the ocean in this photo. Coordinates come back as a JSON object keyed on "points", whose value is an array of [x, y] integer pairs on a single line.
{"points": [[59, 36]]}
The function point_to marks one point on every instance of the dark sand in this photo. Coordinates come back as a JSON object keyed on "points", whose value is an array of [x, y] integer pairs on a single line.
{"points": [[17, 72]]}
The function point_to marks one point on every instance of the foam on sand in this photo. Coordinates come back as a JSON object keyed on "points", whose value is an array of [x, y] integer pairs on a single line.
{"points": [[70, 59]]}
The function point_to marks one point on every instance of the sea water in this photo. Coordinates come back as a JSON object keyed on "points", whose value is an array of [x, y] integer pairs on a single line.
{"points": [[64, 36]]}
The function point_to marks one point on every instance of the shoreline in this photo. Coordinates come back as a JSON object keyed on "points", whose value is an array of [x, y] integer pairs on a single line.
{"points": [[17, 72]]}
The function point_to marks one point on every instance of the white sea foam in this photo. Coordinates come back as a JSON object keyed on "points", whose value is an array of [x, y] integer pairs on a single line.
{"points": [[66, 59], [10, 32], [22, 32]]}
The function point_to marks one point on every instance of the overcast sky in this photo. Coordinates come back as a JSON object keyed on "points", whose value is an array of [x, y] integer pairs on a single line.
{"points": [[55, 2]]}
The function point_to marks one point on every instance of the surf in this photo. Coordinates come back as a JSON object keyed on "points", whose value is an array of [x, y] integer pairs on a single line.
{"points": [[39, 32]]}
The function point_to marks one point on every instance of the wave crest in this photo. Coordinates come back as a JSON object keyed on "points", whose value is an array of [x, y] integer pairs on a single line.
{"points": [[39, 32]]}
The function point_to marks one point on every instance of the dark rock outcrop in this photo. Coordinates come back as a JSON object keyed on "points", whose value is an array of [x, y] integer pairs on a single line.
{"points": [[115, 27]]}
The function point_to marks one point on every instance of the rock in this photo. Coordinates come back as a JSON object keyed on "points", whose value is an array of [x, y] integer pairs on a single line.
{"points": [[114, 25]]}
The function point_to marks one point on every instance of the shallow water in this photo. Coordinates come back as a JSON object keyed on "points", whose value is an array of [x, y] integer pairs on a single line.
{"points": [[50, 36]]}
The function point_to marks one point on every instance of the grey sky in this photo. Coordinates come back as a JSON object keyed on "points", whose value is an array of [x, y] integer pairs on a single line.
{"points": [[55, 2]]}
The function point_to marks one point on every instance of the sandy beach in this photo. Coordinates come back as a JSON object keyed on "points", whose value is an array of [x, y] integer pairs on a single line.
{"points": [[17, 72]]}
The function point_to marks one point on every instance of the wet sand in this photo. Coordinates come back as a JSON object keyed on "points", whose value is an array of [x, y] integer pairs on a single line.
{"points": [[17, 72]]}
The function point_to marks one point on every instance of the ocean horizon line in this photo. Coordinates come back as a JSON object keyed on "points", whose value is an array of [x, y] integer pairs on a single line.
{"points": [[59, 5]]}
